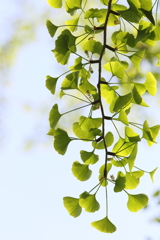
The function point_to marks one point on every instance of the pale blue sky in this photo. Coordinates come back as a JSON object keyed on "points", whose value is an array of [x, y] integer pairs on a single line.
{"points": [[33, 182]]}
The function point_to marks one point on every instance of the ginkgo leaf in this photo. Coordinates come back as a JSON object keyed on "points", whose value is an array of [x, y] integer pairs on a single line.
{"points": [[71, 6], [70, 81], [151, 84], [136, 59], [120, 182], [116, 68], [88, 123], [77, 64], [72, 24], [85, 135], [86, 87], [122, 101], [54, 116], [119, 163], [55, 3], [131, 181], [148, 14], [109, 138], [137, 202], [112, 21], [123, 148], [51, 83], [154, 131], [108, 93], [72, 206], [93, 13], [152, 174], [131, 136], [89, 157], [104, 225], [64, 45], [81, 171], [89, 202], [93, 46], [51, 28], [61, 141], [132, 157], [146, 4], [123, 117]]}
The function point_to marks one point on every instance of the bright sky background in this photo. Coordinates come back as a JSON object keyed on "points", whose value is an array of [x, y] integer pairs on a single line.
{"points": [[34, 181]]}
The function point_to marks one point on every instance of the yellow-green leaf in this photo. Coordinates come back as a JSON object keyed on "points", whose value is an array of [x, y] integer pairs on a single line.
{"points": [[151, 84], [104, 225]]}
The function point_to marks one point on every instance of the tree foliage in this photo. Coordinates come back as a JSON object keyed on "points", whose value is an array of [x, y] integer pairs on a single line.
{"points": [[108, 93]]}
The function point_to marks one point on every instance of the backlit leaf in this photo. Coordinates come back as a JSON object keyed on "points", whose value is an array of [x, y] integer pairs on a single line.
{"points": [[61, 141], [88, 123], [123, 117], [109, 138], [119, 163], [51, 83], [146, 4], [64, 45], [152, 174], [51, 28], [151, 84], [81, 171], [89, 157], [89, 202], [104, 225], [120, 182], [122, 101], [55, 3], [93, 13], [137, 202], [116, 68], [72, 206], [148, 14], [72, 24], [101, 178], [77, 64], [71, 6], [93, 46], [131, 136], [132, 157], [70, 81], [136, 59], [54, 116], [85, 135], [123, 148], [131, 181]]}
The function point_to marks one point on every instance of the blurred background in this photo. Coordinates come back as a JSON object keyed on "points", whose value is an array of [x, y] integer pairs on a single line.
{"points": [[33, 177]]}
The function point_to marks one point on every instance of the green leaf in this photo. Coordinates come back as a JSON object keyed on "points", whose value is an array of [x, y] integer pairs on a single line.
{"points": [[123, 148], [92, 13], [112, 21], [131, 181], [51, 132], [131, 136], [70, 81], [93, 46], [88, 123], [71, 6], [104, 225], [154, 131], [51, 28], [120, 182], [86, 87], [120, 38], [72, 206], [132, 14], [89, 202], [147, 134], [54, 116], [65, 44], [119, 163], [146, 4], [51, 83], [158, 56], [142, 35], [137, 202], [89, 157], [151, 84], [122, 101], [55, 3], [72, 24], [136, 59], [148, 14], [81, 171], [101, 178], [116, 68], [108, 93], [85, 135], [109, 138], [152, 174], [77, 64], [61, 141], [123, 117], [140, 88], [132, 157]]}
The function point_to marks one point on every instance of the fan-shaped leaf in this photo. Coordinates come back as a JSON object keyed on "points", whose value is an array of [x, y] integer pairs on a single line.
{"points": [[131, 136], [70, 81], [72, 24], [104, 225], [109, 138], [132, 157], [151, 84], [61, 141], [72, 206], [93, 46], [116, 68], [122, 101], [136, 202], [71, 6], [88, 123], [55, 3], [93, 13], [120, 182], [51, 83], [54, 116], [89, 202], [89, 157], [136, 59], [123, 117], [81, 171], [120, 163], [51, 28], [152, 174]]}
